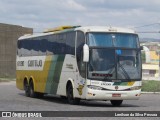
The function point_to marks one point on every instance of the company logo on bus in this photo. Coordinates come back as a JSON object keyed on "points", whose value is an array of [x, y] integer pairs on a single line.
{"points": [[116, 87]]}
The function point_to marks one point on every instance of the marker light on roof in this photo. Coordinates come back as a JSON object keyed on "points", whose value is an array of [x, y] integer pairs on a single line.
{"points": [[59, 28]]}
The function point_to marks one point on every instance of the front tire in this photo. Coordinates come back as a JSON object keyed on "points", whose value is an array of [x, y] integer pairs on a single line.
{"points": [[116, 102], [71, 99]]}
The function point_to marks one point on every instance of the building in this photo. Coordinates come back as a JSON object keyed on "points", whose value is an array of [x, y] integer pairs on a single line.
{"points": [[154, 57], [153, 46], [8, 45], [150, 66], [150, 71]]}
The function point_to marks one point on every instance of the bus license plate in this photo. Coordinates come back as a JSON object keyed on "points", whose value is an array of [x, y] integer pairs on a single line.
{"points": [[116, 95]]}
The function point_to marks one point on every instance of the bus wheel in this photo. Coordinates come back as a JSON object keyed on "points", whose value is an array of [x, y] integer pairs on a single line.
{"points": [[116, 102], [26, 88], [31, 89], [71, 99]]}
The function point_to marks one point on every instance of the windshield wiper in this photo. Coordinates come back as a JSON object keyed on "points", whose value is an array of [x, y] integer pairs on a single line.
{"points": [[124, 71]]}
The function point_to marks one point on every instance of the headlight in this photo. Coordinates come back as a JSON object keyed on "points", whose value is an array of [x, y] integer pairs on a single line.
{"points": [[135, 88], [94, 87]]}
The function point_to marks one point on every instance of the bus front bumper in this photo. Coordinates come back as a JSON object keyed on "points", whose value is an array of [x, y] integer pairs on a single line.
{"points": [[112, 95]]}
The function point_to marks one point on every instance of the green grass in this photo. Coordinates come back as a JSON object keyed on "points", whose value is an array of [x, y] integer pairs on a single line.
{"points": [[150, 86]]}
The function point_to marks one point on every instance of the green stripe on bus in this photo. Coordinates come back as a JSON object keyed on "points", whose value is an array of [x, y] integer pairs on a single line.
{"points": [[51, 73], [121, 83], [57, 74]]}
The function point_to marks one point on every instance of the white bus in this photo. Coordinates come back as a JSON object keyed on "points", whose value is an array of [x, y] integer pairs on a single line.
{"points": [[89, 63]]}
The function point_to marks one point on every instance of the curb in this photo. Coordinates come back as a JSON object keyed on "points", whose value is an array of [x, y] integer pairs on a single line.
{"points": [[150, 92]]}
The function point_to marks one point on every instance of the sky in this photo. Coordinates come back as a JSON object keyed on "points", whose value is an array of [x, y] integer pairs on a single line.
{"points": [[140, 15]]}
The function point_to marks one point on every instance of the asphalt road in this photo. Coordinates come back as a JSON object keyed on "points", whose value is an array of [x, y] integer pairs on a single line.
{"points": [[12, 99]]}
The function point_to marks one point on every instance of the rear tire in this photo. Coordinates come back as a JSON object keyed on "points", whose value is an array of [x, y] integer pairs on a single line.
{"points": [[116, 102], [26, 88], [71, 99], [31, 89]]}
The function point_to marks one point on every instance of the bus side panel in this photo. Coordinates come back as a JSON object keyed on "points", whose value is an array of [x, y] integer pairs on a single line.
{"points": [[30, 68], [67, 73], [70, 73], [19, 80], [54, 74]]}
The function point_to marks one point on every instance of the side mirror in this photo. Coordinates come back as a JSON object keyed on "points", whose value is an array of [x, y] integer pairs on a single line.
{"points": [[85, 53]]}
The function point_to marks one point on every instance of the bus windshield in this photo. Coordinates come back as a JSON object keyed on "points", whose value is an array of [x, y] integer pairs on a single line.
{"points": [[114, 56], [113, 40], [111, 64]]}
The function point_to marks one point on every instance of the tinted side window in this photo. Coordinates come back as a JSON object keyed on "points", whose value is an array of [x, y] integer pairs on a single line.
{"points": [[70, 43], [53, 44], [79, 50], [80, 43], [62, 43], [33, 45], [24, 49]]}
